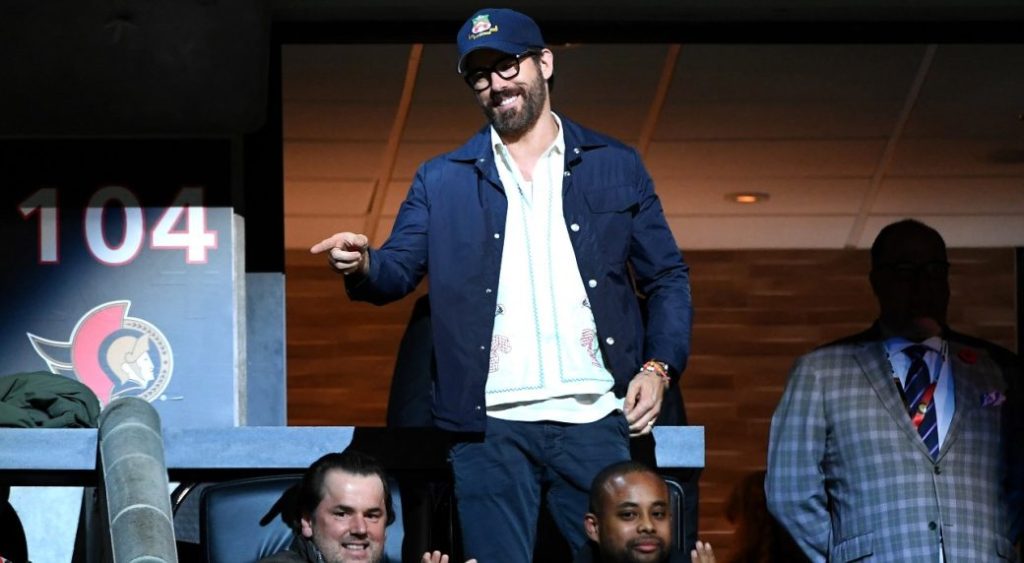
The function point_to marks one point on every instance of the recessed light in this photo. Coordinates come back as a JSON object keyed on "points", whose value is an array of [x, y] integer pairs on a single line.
{"points": [[747, 197]]}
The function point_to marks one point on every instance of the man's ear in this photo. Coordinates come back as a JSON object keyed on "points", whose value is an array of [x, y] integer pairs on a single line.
{"points": [[590, 524], [547, 63], [306, 523]]}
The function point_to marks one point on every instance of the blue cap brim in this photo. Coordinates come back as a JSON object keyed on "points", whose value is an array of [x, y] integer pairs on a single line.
{"points": [[507, 47]]}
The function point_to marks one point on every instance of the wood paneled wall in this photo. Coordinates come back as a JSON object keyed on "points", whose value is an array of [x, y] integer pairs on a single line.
{"points": [[755, 312]]}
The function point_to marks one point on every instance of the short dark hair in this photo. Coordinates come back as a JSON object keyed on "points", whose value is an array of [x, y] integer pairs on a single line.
{"points": [[311, 489], [612, 471], [898, 228]]}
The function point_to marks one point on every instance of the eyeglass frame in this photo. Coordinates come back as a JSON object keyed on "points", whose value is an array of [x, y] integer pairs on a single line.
{"points": [[486, 72]]}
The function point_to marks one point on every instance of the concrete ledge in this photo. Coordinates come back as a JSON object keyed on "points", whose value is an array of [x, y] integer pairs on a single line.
{"points": [[44, 456], [679, 446], [48, 456]]}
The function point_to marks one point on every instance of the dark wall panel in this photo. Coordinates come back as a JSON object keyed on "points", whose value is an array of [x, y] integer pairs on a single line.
{"points": [[132, 68]]}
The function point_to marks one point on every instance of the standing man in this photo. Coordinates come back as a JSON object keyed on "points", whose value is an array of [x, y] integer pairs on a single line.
{"points": [[543, 362], [902, 443]]}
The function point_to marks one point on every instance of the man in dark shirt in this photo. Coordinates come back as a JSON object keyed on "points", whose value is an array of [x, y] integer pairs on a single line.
{"points": [[342, 511], [630, 518]]}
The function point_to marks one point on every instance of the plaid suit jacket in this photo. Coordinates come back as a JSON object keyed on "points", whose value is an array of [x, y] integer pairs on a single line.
{"points": [[851, 480]]}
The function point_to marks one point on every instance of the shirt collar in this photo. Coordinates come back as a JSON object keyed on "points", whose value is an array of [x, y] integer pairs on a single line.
{"points": [[557, 146], [896, 344]]}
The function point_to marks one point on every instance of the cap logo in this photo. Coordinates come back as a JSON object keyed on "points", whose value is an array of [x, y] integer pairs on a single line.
{"points": [[482, 27]]}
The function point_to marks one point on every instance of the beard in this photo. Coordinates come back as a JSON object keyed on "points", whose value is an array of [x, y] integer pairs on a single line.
{"points": [[628, 555], [514, 123]]}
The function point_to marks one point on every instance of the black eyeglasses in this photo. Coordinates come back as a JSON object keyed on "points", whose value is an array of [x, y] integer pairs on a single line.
{"points": [[935, 269], [480, 79]]}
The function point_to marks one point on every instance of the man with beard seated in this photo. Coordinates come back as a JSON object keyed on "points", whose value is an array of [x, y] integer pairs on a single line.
{"points": [[630, 519]]}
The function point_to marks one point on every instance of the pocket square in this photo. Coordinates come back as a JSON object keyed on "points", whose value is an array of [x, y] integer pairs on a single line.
{"points": [[992, 399]]}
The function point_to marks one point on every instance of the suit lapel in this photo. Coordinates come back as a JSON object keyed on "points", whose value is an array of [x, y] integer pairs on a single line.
{"points": [[965, 389], [875, 367]]}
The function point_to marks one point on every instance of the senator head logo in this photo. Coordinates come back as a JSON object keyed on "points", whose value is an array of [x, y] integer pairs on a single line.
{"points": [[113, 354]]}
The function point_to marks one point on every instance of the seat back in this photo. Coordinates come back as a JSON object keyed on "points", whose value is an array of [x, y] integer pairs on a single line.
{"points": [[238, 522], [13, 545], [676, 497]]}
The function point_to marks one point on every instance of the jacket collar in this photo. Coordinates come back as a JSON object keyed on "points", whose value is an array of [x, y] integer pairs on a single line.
{"points": [[306, 549], [971, 369], [875, 366]]}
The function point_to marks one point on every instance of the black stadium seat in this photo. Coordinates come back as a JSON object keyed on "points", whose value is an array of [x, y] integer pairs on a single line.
{"points": [[12, 535], [240, 521]]}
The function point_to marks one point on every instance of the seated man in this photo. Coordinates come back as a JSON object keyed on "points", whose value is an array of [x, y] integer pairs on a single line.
{"points": [[341, 513], [630, 518]]}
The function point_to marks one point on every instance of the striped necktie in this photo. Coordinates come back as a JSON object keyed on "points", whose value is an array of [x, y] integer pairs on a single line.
{"points": [[918, 382]]}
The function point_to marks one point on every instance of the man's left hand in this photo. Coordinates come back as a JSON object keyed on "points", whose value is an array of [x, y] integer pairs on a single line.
{"points": [[643, 402], [438, 557]]}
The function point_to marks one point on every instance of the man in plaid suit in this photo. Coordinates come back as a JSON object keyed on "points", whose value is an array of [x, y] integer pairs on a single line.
{"points": [[902, 443]]}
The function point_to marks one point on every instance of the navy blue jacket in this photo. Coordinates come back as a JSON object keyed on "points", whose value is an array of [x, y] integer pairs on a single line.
{"points": [[452, 224]]}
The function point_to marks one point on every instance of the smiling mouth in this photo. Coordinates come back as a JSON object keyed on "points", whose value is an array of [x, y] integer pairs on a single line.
{"points": [[505, 97], [505, 101]]}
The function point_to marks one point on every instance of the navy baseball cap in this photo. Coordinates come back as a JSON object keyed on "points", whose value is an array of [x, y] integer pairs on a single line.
{"points": [[500, 29]]}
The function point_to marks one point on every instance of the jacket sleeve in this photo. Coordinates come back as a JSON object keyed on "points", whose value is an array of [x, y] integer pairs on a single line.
{"points": [[397, 267], [795, 483], [662, 277]]}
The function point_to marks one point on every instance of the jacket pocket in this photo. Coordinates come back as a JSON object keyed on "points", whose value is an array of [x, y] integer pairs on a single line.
{"points": [[853, 549], [608, 225], [611, 200]]}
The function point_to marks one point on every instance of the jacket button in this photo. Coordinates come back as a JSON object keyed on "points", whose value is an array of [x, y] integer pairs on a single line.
{"points": [[567, 174], [609, 341], [478, 407], [574, 228], [488, 290], [592, 283], [482, 160], [576, 150], [938, 470], [483, 347], [932, 525], [497, 235]]}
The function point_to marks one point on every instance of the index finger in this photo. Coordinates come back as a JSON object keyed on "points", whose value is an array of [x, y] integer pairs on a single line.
{"points": [[346, 240], [326, 244]]}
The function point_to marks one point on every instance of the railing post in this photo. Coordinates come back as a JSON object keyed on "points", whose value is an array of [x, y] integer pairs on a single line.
{"points": [[135, 493]]}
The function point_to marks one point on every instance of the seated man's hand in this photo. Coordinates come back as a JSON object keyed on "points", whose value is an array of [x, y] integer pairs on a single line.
{"points": [[438, 557], [701, 554]]}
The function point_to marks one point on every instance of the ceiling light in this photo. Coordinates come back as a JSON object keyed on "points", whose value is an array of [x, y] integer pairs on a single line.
{"points": [[747, 197]]}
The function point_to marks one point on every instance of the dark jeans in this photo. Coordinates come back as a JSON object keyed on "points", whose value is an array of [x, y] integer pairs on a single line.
{"points": [[498, 481]]}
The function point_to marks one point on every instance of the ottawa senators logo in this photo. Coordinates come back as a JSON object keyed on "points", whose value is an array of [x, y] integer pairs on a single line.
{"points": [[113, 354]]}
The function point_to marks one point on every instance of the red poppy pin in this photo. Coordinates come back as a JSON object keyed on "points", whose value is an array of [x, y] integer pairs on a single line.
{"points": [[967, 356]]}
